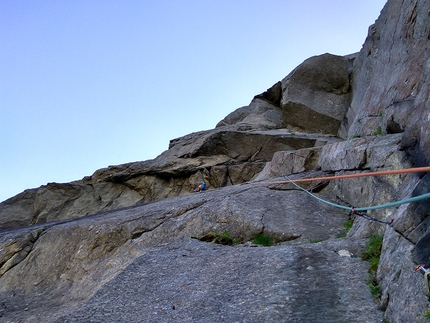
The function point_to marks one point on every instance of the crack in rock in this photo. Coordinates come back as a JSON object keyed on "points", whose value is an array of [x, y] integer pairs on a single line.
{"points": [[17, 250]]}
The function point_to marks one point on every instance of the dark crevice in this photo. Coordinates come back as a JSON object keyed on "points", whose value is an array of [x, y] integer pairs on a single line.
{"points": [[25, 247], [223, 238], [137, 234]]}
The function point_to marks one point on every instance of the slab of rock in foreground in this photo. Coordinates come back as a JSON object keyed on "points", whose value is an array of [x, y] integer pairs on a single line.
{"points": [[193, 281], [142, 260]]}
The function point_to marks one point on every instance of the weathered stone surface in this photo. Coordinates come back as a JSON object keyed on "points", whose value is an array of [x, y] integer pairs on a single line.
{"points": [[192, 281], [373, 152], [70, 261], [403, 246], [290, 162], [313, 98], [390, 76], [316, 95], [391, 95], [18, 210], [401, 287]]}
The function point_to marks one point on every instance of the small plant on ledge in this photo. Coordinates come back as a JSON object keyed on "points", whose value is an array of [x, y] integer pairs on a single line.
{"points": [[372, 255], [223, 238], [347, 225], [378, 131], [263, 240]]}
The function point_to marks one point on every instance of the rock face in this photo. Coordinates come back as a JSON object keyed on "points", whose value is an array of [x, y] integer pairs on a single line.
{"points": [[70, 261], [263, 111], [220, 157], [390, 79], [134, 243], [231, 284], [316, 95]]}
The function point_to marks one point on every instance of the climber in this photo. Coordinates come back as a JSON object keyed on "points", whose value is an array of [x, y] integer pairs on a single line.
{"points": [[201, 187]]}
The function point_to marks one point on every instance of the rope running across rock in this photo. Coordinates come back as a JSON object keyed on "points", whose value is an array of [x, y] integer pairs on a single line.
{"points": [[361, 211]]}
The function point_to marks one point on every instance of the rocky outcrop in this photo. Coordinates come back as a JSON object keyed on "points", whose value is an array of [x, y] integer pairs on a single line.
{"points": [[316, 95], [234, 152], [390, 95], [313, 98], [264, 111], [390, 78], [133, 237]]}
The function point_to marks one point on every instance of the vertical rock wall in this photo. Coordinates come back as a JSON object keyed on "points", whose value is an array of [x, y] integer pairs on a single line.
{"points": [[391, 94], [391, 78]]}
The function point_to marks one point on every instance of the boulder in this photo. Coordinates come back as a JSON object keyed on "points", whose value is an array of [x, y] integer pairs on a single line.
{"points": [[316, 94], [313, 98], [290, 162]]}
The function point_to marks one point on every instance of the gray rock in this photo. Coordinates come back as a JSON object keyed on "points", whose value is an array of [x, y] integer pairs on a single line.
{"points": [[316, 95], [373, 152], [290, 162], [118, 253], [192, 281], [263, 111], [390, 96], [389, 76]]}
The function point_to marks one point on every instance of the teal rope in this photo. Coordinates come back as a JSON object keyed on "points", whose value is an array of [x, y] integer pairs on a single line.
{"points": [[382, 206]]}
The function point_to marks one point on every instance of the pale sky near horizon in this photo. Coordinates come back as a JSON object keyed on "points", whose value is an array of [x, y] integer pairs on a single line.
{"points": [[88, 84]]}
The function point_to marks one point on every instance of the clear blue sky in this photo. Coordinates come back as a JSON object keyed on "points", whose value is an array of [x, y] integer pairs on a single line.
{"points": [[88, 84]]}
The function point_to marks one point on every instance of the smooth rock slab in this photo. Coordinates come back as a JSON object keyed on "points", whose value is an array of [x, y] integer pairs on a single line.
{"points": [[194, 281]]}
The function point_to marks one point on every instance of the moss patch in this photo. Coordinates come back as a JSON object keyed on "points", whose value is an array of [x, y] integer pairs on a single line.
{"points": [[263, 240], [347, 225], [372, 255]]}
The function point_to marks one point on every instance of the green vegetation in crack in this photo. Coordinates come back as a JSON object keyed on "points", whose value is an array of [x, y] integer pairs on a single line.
{"points": [[372, 255], [315, 240], [347, 225], [378, 131], [223, 238], [427, 315], [427, 312], [262, 240], [40, 232]]}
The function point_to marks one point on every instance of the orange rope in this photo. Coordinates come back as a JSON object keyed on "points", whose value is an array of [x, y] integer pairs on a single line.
{"points": [[386, 172]]}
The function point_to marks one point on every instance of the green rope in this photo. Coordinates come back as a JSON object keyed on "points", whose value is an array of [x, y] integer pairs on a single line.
{"points": [[382, 206]]}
